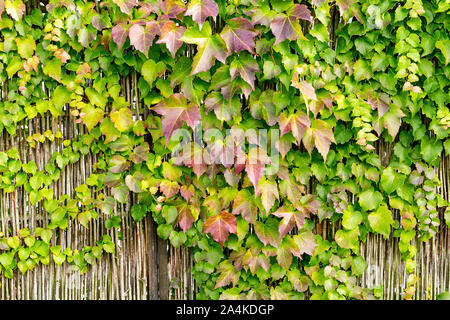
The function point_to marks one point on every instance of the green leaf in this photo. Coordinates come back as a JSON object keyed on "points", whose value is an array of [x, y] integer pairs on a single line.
{"points": [[96, 98], [381, 221], [26, 46], [151, 70], [351, 218], [138, 212], [60, 97], [15, 8], [390, 180], [209, 47], [370, 200], [91, 116], [122, 119], [444, 46], [348, 239]]}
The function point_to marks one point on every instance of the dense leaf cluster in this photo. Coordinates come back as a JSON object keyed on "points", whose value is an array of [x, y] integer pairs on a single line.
{"points": [[338, 80]]}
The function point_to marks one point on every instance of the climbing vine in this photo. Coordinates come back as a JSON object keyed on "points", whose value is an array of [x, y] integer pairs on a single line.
{"points": [[329, 82]]}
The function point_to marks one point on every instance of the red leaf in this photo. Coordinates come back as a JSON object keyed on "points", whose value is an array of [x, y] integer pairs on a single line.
{"points": [[195, 157], [255, 165], [245, 204], [169, 188], [295, 123], [141, 37], [200, 10], [290, 218], [220, 226], [187, 215], [187, 192], [176, 111], [320, 134], [170, 35], [239, 35]]}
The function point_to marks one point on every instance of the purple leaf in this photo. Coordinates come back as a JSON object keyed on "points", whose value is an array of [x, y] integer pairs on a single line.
{"points": [[239, 34], [200, 10], [141, 37]]}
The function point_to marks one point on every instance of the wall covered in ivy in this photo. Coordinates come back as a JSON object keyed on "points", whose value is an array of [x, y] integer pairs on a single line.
{"points": [[221, 149]]}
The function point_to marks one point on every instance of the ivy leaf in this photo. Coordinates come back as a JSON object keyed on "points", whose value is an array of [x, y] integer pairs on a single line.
{"points": [[239, 35], [109, 130], [175, 111], [169, 188], [100, 21], [380, 102], [209, 47], [390, 180], [219, 226], [172, 8], [381, 221], [267, 232], [431, 149], [245, 205], [347, 239], [141, 37], [223, 109], [187, 215], [26, 46], [351, 218], [125, 5], [200, 10], [263, 105], [443, 45], [392, 120], [119, 34], [246, 66], [290, 218], [369, 200], [187, 192], [307, 90], [122, 119], [321, 135], [194, 156], [151, 70], [255, 165], [300, 282], [52, 68], [268, 191], [170, 35], [294, 123], [286, 26], [253, 260], [132, 184], [91, 116], [304, 242], [15, 8], [227, 274]]}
